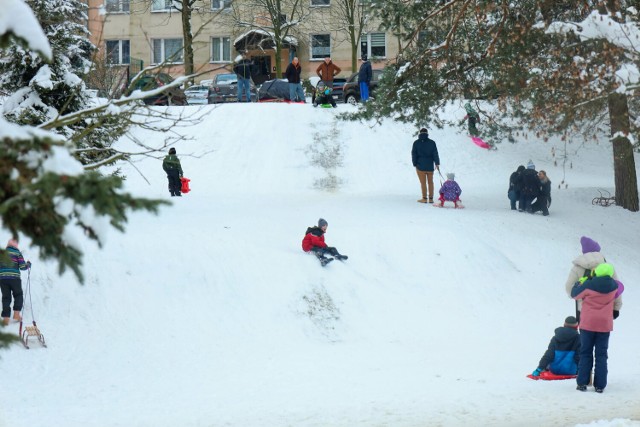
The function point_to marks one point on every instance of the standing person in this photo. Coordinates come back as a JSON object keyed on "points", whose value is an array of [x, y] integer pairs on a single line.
{"points": [[327, 70], [313, 241], [243, 69], [515, 186], [472, 118], [292, 73], [530, 187], [543, 201], [11, 262], [583, 266], [563, 353], [171, 165], [597, 294], [364, 78], [424, 156]]}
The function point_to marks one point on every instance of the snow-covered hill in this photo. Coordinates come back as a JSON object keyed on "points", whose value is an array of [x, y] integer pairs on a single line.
{"points": [[210, 314]]}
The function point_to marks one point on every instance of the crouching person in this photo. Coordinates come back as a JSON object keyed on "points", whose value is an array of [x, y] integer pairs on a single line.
{"points": [[561, 358]]}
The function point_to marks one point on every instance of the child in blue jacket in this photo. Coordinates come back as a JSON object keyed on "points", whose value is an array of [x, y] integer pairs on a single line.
{"points": [[561, 358]]}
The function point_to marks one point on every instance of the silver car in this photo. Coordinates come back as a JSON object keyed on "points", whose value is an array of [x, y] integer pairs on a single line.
{"points": [[198, 94]]}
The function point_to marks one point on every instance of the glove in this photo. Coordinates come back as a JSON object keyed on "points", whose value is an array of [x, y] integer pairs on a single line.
{"points": [[536, 373], [616, 313], [29, 266]]}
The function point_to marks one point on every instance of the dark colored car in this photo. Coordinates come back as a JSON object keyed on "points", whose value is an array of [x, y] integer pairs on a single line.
{"points": [[338, 84], [172, 96], [351, 89], [225, 89]]}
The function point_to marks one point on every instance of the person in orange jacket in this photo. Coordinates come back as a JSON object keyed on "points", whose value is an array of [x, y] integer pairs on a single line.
{"points": [[313, 241]]}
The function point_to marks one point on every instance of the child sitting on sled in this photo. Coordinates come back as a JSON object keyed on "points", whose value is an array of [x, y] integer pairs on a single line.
{"points": [[313, 241], [323, 95], [450, 191], [561, 358]]}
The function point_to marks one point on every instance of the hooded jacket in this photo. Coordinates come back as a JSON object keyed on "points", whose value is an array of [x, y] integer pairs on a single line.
{"points": [[563, 353], [424, 153], [314, 237], [597, 294], [450, 190], [581, 264]]}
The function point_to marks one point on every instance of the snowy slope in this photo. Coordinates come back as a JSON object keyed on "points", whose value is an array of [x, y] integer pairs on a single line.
{"points": [[211, 315]]}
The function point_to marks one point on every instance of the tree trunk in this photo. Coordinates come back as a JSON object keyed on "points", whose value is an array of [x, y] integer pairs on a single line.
{"points": [[188, 37], [624, 165]]}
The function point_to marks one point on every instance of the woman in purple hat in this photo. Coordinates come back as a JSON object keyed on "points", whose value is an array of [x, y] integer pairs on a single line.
{"points": [[583, 266]]}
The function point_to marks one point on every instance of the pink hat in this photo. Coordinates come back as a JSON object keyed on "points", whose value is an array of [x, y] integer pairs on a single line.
{"points": [[12, 242]]}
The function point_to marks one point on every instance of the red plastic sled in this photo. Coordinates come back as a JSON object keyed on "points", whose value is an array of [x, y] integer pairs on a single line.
{"points": [[480, 143], [550, 376], [185, 185]]}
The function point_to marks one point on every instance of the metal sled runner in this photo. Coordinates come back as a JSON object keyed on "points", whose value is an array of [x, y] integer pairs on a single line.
{"points": [[31, 331]]}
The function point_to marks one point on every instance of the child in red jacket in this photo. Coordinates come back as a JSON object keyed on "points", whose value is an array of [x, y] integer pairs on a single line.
{"points": [[313, 241]]}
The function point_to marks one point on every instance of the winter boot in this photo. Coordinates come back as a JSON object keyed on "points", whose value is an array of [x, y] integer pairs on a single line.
{"points": [[422, 200], [325, 261], [16, 316], [342, 257], [5, 321], [581, 388]]}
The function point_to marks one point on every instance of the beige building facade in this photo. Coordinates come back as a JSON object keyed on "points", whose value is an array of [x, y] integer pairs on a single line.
{"points": [[149, 32]]}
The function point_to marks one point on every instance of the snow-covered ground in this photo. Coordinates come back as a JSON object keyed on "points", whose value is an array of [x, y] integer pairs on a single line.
{"points": [[210, 314]]}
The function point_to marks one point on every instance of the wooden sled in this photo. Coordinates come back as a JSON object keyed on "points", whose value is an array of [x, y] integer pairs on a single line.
{"points": [[31, 331]]}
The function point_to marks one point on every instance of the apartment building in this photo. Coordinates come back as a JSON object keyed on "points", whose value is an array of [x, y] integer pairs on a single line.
{"points": [[149, 32]]}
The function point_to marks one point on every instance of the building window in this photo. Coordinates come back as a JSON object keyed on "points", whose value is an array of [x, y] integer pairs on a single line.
{"points": [[374, 45], [220, 4], [320, 2], [167, 50], [117, 6], [161, 5], [320, 46], [118, 52], [220, 49]]}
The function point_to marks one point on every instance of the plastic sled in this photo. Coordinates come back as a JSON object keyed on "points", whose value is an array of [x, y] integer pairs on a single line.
{"points": [[185, 185], [550, 376], [620, 288], [480, 143]]}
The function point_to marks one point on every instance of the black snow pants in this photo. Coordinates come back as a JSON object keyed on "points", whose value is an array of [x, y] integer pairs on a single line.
{"points": [[9, 287]]}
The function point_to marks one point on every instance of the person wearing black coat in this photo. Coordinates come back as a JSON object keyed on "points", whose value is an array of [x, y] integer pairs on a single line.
{"points": [[543, 201], [364, 78], [292, 74], [244, 70], [424, 155], [530, 187], [515, 186]]}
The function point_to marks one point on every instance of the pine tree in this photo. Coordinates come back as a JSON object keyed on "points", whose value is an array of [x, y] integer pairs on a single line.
{"points": [[40, 92]]}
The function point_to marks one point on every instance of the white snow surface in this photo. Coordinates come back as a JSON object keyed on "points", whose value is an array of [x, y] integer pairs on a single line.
{"points": [[210, 314]]}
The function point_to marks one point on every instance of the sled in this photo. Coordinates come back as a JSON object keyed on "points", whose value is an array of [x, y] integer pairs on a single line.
{"points": [[437, 205], [479, 142], [185, 185], [620, 288], [550, 376], [605, 199], [31, 331]]}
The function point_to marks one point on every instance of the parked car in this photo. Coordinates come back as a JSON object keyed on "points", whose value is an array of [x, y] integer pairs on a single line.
{"points": [[198, 94], [351, 89], [172, 96], [225, 89], [338, 84]]}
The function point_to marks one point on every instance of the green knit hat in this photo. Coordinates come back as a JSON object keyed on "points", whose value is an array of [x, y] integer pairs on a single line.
{"points": [[604, 270]]}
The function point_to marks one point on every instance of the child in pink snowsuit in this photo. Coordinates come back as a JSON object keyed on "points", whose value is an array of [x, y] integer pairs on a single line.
{"points": [[450, 191]]}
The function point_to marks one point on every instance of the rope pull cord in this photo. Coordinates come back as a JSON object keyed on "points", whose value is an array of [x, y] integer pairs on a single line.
{"points": [[28, 292]]}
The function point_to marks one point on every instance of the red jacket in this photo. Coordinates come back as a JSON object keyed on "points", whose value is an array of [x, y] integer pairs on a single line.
{"points": [[313, 238]]}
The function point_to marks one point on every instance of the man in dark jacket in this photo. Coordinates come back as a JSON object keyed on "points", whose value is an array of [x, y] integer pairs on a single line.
{"points": [[530, 187], [515, 186], [327, 70], [244, 69], [424, 156], [171, 165], [292, 74], [364, 77], [561, 358]]}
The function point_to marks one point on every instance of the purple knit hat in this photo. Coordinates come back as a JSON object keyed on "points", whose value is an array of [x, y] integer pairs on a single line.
{"points": [[589, 245]]}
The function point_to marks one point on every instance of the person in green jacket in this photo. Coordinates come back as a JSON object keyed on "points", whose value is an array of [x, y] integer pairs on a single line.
{"points": [[172, 167]]}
